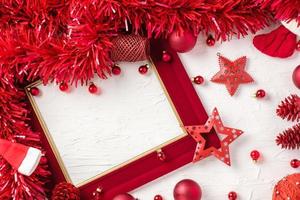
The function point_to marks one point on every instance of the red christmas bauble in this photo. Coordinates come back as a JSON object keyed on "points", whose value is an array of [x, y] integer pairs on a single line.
{"points": [[260, 94], [63, 87], [298, 46], [255, 155], [116, 70], [93, 88], [166, 57], [198, 80], [232, 195], [124, 197], [187, 190], [34, 91], [296, 76], [210, 41], [295, 163], [158, 197], [182, 42], [143, 69]]}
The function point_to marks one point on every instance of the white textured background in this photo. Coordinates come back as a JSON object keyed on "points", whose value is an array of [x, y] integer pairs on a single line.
{"points": [[256, 117]]}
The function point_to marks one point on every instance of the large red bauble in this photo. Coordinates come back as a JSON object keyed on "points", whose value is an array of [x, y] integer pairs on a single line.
{"points": [[187, 190], [124, 197], [296, 76], [182, 42]]}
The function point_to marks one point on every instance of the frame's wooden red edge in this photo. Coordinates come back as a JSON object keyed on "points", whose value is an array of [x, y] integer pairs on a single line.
{"points": [[149, 167]]}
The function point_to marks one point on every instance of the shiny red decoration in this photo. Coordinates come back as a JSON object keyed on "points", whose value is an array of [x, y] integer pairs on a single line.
{"points": [[296, 77], [124, 197], [288, 188], [260, 94], [210, 41], [182, 42], [63, 87], [161, 155], [232, 195], [198, 80], [116, 70], [34, 91], [255, 155], [298, 46], [93, 89], [187, 189], [158, 197], [65, 191], [295, 163], [166, 57], [143, 69], [232, 73]]}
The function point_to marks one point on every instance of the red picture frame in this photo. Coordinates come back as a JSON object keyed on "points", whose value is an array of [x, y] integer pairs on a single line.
{"points": [[145, 169]]}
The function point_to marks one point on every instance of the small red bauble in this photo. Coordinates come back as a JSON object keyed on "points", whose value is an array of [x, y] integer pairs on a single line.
{"points": [[255, 155], [187, 190], [124, 197], [63, 87], [158, 197], [232, 195], [198, 80], [298, 46], [143, 69], [182, 42], [296, 76], [210, 41], [161, 155], [116, 70], [260, 94], [295, 163], [34, 91], [166, 57], [93, 88]]}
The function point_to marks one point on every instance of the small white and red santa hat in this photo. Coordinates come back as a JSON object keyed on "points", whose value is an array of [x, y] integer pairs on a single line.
{"points": [[23, 158]]}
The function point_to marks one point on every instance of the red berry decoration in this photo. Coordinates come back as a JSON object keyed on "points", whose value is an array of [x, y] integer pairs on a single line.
{"points": [[298, 46], [116, 70], [166, 57], [198, 80], [295, 163], [65, 191], [158, 197], [34, 91], [255, 155], [296, 77], [187, 190], [260, 94], [143, 69], [123, 197], [210, 41], [182, 42], [93, 88], [63, 87], [232, 195]]}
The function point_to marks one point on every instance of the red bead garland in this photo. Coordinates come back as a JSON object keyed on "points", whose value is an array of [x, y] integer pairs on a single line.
{"points": [[295, 163], [93, 89], [116, 70], [298, 46], [34, 91], [260, 94], [166, 57], [63, 87], [232, 195], [143, 69], [198, 80], [210, 41], [158, 197], [255, 155]]}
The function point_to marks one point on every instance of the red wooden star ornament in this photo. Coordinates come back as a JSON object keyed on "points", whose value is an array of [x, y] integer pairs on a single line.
{"points": [[232, 73], [214, 121]]}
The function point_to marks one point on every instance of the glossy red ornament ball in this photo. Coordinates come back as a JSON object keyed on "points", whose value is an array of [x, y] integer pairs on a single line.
{"points": [[143, 69], [124, 197], [93, 88], [166, 57], [295, 163], [298, 46], [232, 195], [296, 76], [255, 155], [161, 155], [63, 87], [182, 42], [198, 80], [210, 41], [260, 94], [187, 190], [116, 70], [34, 91], [158, 197]]}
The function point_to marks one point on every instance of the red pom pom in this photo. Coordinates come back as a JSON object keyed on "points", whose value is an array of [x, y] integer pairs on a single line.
{"points": [[34, 91], [63, 87], [187, 190], [116, 70], [182, 42], [65, 191]]}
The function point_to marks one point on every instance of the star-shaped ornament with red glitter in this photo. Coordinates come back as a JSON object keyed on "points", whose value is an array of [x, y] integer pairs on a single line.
{"points": [[228, 136], [232, 73]]}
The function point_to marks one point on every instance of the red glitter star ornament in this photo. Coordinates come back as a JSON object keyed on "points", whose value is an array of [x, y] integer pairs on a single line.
{"points": [[213, 122], [232, 73]]}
